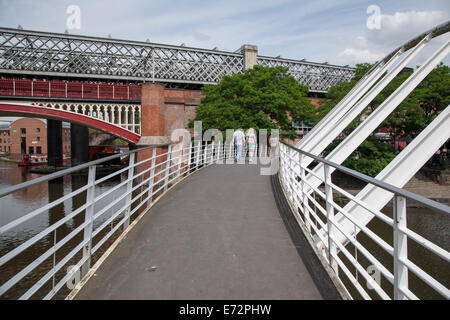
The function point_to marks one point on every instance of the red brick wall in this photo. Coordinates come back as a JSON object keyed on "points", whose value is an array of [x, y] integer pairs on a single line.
{"points": [[165, 110], [35, 136], [179, 107]]}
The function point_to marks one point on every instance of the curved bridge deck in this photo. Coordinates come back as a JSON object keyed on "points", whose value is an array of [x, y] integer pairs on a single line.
{"points": [[216, 235]]}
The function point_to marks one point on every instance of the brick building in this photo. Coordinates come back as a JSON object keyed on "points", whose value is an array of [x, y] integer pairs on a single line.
{"points": [[29, 136]]}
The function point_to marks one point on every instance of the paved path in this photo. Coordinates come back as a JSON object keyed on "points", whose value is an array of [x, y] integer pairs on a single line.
{"points": [[216, 235]]}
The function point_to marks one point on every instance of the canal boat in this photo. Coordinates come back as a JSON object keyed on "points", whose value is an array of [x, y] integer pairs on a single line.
{"points": [[29, 160]]}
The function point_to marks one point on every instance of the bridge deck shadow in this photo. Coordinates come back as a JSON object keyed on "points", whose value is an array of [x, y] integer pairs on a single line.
{"points": [[216, 235]]}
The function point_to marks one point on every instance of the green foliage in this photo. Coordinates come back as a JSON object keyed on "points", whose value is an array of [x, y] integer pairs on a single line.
{"points": [[374, 156], [433, 92], [261, 98], [369, 158]]}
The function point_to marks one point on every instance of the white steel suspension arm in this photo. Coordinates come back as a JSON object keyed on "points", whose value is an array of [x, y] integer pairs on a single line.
{"points": [[346, 147], [347, 103], [418, 152], [330, 133], [400, 170]]}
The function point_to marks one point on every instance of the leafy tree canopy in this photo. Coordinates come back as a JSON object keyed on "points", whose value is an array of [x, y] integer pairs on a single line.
{"points": [[261, 98]]}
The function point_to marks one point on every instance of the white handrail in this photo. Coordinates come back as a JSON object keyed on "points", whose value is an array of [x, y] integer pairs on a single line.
{"points": [[147, 178], [332, 230]]}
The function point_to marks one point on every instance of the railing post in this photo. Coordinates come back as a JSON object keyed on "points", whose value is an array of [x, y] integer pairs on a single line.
{"points": [[168, 159], [400, 247], [152, 177], [292, 174], [330, 216], [180, 158], [205, 154], [189, 158], [129, 190], [212, 152], [218, 151], [304, 195], [88, 217], [199, 148], [230, 158]]}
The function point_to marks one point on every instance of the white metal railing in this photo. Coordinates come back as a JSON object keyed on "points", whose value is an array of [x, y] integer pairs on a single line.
{"points": [[316, 215], [145, 180]]}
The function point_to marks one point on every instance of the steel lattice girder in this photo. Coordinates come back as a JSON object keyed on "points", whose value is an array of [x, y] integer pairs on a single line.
{"points": [[50, 54], [319, 77]]}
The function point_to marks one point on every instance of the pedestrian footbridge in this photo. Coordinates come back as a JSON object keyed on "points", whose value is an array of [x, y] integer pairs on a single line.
{"points": [[183, 221], [189, 223]]}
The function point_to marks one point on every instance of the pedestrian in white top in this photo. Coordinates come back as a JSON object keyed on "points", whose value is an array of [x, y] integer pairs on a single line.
{"points": [[238, 141]]}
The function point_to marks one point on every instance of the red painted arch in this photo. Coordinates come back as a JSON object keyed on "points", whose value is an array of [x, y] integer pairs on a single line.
{"points": [[40, 112]]}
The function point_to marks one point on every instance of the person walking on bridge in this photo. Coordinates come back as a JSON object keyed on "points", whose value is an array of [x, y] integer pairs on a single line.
{"points": [[238, 141], [251, 144]]}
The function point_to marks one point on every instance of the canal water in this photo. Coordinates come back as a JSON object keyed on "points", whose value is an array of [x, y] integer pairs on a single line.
{"points": [[432, 225]]}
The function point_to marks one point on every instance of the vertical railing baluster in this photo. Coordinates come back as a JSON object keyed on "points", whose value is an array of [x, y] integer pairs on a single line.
{"points": [[219, 152], [292, 174], [304, 195], [168, 159], [88, 217], [199, 146], [330, 216], [400, 247], [129, 190], [180, 158], [205, 159], [189, 158], [54, 261], [152, 177], [230, 154]]}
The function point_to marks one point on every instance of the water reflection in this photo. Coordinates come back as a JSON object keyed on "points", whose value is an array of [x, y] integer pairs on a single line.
{"points": [[25, 201]]}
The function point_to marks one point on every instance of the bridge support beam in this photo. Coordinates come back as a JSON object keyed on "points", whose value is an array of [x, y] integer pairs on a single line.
{"points": [[54, 143], [250, 55], [79, 144], [153, 127]]}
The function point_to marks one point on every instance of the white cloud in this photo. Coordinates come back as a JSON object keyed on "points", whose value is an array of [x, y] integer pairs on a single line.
{"points": [[353, 56], [396, 29], [401, 26]]}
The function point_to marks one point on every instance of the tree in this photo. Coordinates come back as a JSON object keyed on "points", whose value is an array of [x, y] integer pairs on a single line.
{"points": [[370, 158], [433, 93], [261, 98]]}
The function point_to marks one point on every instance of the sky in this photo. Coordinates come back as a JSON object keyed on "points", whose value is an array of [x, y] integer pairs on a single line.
{"points": [[344, 32]]}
